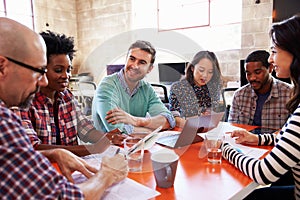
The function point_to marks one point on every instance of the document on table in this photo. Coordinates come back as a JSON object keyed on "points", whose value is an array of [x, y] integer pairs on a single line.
{"points": [[247, 150], [127, 189]]}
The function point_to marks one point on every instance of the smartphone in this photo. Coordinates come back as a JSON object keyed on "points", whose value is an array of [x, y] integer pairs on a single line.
{"points": [[263, 130]]}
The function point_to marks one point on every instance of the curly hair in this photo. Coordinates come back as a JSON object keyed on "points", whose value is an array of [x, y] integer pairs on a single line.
{"points": [[286, 35], [58, 44]]}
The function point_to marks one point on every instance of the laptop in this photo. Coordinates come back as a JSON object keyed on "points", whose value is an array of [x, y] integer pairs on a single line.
{"points": [[192, 126]]}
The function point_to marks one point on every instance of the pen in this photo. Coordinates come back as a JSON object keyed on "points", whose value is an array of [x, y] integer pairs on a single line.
{"points": [[238, 150], [117, 151]]}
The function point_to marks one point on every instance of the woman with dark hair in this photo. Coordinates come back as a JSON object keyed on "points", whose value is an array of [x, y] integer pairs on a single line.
{"points": [[285, 156], [199, 90]]}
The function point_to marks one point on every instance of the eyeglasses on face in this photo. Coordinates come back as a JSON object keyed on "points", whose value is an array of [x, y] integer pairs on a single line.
{"points": [[41, 71]]}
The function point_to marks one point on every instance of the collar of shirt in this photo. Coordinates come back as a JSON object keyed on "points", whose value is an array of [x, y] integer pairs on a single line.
{"points": [[121, 78], [273, 93], [41, 97], [2, 103]]}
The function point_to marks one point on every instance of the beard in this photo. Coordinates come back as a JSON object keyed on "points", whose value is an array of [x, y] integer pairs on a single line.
{"points": [[27, 102]]}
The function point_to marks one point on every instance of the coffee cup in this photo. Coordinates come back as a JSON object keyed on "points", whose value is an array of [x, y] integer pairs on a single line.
{"points": [[164, 164]]}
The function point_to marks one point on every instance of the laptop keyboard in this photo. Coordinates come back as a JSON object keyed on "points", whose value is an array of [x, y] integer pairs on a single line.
{"points": [[170, 139]]}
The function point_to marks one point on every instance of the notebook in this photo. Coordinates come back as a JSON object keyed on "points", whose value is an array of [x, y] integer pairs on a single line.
{"points": [[192, 126]]}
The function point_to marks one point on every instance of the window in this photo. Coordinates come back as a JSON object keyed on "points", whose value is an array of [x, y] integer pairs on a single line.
{"points": [[176, 14], [19, 10], [183, 14], [212, 24]]}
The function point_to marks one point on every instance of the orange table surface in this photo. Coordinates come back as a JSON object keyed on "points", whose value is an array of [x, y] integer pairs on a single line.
{"points": [[196, 178]]}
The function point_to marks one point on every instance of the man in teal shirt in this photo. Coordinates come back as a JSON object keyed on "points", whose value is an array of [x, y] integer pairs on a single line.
{"points": [[124, 100]]}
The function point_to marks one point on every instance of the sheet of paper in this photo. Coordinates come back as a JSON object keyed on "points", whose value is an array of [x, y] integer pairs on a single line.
{"points": [[224, 127], [247, 150], [127, 189], [168, 133]]}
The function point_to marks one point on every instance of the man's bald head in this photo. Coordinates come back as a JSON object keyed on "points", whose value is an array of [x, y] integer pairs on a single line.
{"points": [[20, 44], [18, 41]]}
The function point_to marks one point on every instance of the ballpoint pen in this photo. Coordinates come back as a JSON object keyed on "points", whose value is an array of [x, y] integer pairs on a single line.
{"points": [[117, 151]]}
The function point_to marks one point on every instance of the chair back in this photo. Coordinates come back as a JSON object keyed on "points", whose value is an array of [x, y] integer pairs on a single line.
{"points": [[86, 90], [227, 95]]}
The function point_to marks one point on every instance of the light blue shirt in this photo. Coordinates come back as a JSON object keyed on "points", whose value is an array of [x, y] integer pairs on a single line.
{"points": [[113, 92]]}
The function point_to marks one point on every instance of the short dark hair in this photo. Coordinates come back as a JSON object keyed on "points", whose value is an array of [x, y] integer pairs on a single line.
{"points": [[259, 56], [58, 44], [145, 46]]}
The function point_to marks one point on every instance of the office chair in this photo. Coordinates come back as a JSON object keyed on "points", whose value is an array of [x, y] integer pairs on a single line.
{"points": [[86, 90], [162, 92], [227, 95]]}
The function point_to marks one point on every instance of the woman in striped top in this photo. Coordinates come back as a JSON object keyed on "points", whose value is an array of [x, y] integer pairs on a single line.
{"points": [[285, 156]]}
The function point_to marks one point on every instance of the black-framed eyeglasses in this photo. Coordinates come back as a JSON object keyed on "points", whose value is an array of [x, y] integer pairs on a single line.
{"points": [[41, 71]]}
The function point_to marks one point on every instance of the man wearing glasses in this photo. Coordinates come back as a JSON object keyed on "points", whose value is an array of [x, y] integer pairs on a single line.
{"points": [[24, 172]]}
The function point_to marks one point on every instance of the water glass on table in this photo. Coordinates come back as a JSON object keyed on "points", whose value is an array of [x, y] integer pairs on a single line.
{"points": [[134, 148], [213, 143]]}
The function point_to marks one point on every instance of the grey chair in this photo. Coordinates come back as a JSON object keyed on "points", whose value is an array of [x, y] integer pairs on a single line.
{"points": [[227, 95], [162, 92], [86, 91]]}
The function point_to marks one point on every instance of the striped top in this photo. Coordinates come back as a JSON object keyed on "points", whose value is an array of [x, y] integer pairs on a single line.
{"points": [[284, 156]]}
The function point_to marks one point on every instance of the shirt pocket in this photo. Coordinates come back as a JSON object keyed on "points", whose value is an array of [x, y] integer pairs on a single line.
{"points": [[245, 117]]}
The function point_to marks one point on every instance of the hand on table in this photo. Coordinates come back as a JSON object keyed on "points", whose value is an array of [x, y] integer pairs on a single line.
{"points": [[117, 115], [245, 137]]}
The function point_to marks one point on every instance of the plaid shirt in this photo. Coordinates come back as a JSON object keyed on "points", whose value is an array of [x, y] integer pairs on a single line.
{"points": [[24, 172], [40, 125], [274, 112]]}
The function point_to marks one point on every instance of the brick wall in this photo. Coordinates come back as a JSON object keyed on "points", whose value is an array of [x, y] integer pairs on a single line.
{"points": [[92, 22]]}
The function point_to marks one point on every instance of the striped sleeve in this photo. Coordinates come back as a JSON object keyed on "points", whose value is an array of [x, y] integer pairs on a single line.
{"points": [[284, 156]]}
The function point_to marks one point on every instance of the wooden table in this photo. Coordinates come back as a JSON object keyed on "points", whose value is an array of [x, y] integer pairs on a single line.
{"points": [[196, 178]]}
